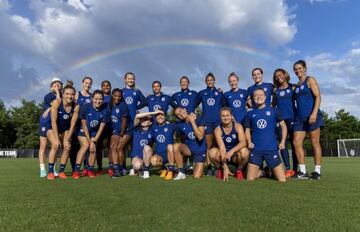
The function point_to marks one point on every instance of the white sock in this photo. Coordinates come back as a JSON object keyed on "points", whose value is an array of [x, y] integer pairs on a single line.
{"points": [[302, 168], [42, 167], [317, 168]]}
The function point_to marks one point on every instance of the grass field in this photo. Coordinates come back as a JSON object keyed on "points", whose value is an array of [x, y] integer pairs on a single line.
{"points": [[28, 203]]}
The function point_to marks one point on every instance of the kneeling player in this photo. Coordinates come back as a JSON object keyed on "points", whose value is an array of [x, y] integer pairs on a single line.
{"points": [[232, 149], [195, 144], [261, 121]]}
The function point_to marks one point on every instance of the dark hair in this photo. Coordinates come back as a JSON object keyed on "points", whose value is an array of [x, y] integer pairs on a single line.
{"points": [[259, 89], [233, 74], [117, 90], [69, 85], [129, 73], [283, 71], [112, 93], [210, 75], [87, 78], [105, 81], [185, 77], [226, 108], [301, 62], [156, 82], [257, 69], [98, 91]]}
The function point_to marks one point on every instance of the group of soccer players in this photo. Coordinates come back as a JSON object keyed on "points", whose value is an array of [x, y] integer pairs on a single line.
{"points": [[240, 128]]}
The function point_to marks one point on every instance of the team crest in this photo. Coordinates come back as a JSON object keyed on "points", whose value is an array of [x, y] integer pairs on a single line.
{"points": [[163, 99], [134, 93], [87, 101], [149, 136], [216, 93], [288, 90], [166, 129], [43, 128], [265, 89], [241, 95], [301, 87], [268, 113], [297, 90], [190, 93], [233, 136], [117, 111]]}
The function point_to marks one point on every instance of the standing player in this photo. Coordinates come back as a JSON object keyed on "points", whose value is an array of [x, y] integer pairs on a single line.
{"points": [[106, 88], [257, 75], [230, 138], [55, 88], [186, 98], [261, 138], [211, 101], [158, 100], [308, 119], [236, 99], [195, 144], [93, 118], [283, 99]]}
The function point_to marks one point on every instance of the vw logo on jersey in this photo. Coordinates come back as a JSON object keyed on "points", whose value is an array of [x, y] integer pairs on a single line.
{"points": [[237, 103], [282, 93], [160, 138], [94, 123], [65, 116], [210, 101], [265, 89], [114, 119], [288, 90], [184, 102], [156, 107], [241, 95], [143, 142], [297, 90], [191, 135], [117, 111], [261, 123], [129, 100], [88, 100], [233, 136], [268, 113], [228, 140], [301, 87]]}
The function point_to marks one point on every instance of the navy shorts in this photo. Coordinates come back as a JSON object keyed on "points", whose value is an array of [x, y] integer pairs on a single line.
{"points": [[163, 156], [233, 159], [81, 133], [210, 127], [129, 130], [303, 124], [199, 157], [43, 129], [272, 158]]}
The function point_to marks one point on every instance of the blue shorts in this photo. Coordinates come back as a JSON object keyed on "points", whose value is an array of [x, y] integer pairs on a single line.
{"points": [[210, 127], [199, 157], [232, 159], [129, 130], [272, 158], [81, 133], [163, 156], [43, 129], [303, 124]]}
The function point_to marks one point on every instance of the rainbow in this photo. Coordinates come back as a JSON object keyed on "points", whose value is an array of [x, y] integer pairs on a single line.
{"points": [[191, 42]]}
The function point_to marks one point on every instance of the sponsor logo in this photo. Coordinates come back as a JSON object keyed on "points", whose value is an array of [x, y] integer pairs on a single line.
{"points": [[191, 135], [237, 103], [156, 107], [261, 123], [160, 138], [184, 102], [94, 123], [129, 100], [114, 119], [210, 101], [143, 142], [302, 87]]}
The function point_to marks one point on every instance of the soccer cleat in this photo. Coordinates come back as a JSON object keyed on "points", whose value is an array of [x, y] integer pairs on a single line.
{"points": [[132, 172], [110, 172], [116, 175], [169, 175], [76, 175], [301, 176], [146, 174], [290, 173], [124, 172], [239, 175], [210, 172], [219, 174], [51, 176], [315, 176], [43, 173], [91, 174], [180, 176], [62, 175], [99, 172], [84, 172], [55, 173], [163, 173]]}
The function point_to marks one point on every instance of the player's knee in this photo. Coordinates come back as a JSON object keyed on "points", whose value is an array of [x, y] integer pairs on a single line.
{"points": [[213, 153], [176, 147], [297, 141], [55, 146], [170, 148], [137, 164], [244, 154], [147, 149], [67, 147]]}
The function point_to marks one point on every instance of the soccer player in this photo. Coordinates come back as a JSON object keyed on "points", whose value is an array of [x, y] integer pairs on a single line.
{"points": [[93, 118], [163, 133], [211, 101], [84, 95], [119, 113], [106, 88], [236, 98], [230, 138], [158, 100], [261, 138], [308, 119], [257, 75], [45, 126], [283, 100], [64, 115], [186, 98], [193, 129]]}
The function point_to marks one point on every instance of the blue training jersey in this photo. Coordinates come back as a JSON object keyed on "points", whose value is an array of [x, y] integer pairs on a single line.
{"points": [[187, 99], [140, 138], [230, 140], [117, 113], [262, 123], [163, 135], [236, 100], [194, 144], [94, 117], [211, 101], [285, 102], [48, 99], [64, 118], [305, 100], [81, 100], [107, 99], [134, 100], [267, 87], [155, 102]]}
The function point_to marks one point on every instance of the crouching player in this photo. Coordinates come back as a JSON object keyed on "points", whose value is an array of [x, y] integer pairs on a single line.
{"points": [[93, 117], [230, 138], [195, 143], [261, 121], [163, 132]]}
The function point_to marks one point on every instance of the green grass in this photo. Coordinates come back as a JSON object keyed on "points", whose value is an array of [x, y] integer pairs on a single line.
{"points": [[29, 203]]}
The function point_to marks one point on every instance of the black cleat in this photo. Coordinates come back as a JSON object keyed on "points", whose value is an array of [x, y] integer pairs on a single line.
{"points": [[116, 175], [301, 176], [315, 176], [210, 172]]}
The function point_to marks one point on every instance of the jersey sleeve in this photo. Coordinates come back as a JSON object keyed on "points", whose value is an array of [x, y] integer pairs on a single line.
{"points": [[223, 100], [141, 101], [247, 121], [200, 121], [49, 98]]}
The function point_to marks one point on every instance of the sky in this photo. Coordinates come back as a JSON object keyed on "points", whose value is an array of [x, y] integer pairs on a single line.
{"points": [[166, 39]]}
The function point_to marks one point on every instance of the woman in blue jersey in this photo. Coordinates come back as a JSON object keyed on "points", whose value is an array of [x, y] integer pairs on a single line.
{"points": [[283, 99], [158, 100], [193, 129], [258, 76], [64, 115], [236, 98], [84, 96], [230, 138], [93, 118], [261, 138], [55, 89], [211, 102], [119, 113], [106, 88], [186, 98], [308, 119]]}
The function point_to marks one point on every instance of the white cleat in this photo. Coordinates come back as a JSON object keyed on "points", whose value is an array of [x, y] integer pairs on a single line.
{"points": [[132, 172], [180, 176], [43, 173], [56, 174], [146, 175]]}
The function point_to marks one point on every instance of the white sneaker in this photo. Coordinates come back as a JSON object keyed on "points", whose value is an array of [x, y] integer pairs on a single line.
{"points": [[132, 172], [43, 173], [146, 174], [180, 176]]}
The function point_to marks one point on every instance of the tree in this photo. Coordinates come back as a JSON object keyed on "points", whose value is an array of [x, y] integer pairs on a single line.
{"points": [[7, 130]]}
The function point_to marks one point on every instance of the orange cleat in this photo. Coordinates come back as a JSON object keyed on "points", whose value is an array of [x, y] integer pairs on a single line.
{"points": [[76, 175], [62, 175], [99, 172], [91, 174], [169, 175], [51, 176], [219, 174], [110, 172], [84, 172], [163, 173], [290, 173], [239, 174]]}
